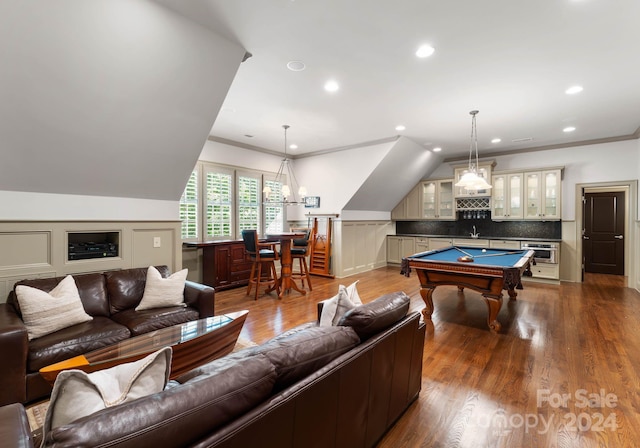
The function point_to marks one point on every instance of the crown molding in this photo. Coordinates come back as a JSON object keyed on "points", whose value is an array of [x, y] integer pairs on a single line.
{"points": [[300, 156], [595, 141]]}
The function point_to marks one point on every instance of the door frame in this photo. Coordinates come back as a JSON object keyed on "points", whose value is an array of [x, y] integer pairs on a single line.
{"points": [[629, 188]]}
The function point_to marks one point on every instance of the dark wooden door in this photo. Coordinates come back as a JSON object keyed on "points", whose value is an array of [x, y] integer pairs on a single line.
{"points": [[603, 237]]}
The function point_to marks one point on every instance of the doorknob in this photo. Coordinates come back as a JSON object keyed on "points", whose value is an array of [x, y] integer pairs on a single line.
{"points": [[618, 237], [585, 237]]}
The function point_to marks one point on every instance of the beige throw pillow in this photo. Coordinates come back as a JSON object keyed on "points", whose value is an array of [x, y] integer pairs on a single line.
{"points": [[335, 307], [77, 394], [47, 312], [352, 293], [162, 292]]}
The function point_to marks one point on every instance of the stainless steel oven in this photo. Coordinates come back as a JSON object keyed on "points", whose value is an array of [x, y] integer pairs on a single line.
{"points": [[544, 252]]}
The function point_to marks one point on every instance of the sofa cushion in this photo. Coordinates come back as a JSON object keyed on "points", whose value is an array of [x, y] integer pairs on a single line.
{"points": [[125, 287], [47, 312], [74, 341], [300, 353], [140, 322], [77, 394], [162, 292], [177, 417], [375, 316]]}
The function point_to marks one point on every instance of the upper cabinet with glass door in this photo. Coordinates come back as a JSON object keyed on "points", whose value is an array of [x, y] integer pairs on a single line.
{"points": [[437, 200], [543, 194], [507, 194]]}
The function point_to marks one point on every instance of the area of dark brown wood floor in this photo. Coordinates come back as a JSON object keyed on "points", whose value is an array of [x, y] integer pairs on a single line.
{"points": [[563, 372]]}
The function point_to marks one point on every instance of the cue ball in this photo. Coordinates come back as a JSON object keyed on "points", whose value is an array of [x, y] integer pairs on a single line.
{"points": [[484, 250]]}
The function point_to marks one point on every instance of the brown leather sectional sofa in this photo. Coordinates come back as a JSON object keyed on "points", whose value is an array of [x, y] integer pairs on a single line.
{"points": [[110, 298], [312, 386]]}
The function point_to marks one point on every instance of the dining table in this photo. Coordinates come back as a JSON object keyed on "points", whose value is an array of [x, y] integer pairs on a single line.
{"points": [[286, 282]]}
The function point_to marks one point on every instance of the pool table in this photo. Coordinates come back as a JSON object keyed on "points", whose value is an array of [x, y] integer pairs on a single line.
{"points": [[487, 271]]}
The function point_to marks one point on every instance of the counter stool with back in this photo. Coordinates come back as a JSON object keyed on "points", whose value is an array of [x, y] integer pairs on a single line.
{"points": [[261, 254]]}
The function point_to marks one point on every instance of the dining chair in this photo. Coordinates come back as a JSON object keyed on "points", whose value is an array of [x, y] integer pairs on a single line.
{"points": [[300, 251], [261, 254]]}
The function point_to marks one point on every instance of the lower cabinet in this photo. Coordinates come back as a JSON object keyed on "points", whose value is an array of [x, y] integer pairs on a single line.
{"points": [[422, 245], [399, 247], [224, 264], [504, 244], [546, 271], [470, 242], [439, 243]]}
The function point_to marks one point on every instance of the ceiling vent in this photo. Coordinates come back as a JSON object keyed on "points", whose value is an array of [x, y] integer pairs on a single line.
{"points": [[521, 140]]}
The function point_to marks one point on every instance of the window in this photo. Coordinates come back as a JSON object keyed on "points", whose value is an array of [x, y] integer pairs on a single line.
{"points": [[274, 214], [219, 189], [219, 202], [189, 208], [249, 198]]}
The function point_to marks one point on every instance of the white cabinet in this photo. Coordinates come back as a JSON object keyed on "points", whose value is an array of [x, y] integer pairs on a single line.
{"points": [[411, 205], [543, 194], [437, 200], [504, 244], [545, 271], [439, 243], [483, 170], [507, 195], [470, 242], [399, 247], [421, 245]]}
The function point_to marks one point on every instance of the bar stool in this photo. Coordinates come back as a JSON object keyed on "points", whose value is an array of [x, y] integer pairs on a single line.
{"points": [[299, 251], [260, 254]]}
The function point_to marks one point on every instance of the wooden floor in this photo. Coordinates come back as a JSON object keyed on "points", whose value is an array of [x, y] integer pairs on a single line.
{"points": [[563, 372]]}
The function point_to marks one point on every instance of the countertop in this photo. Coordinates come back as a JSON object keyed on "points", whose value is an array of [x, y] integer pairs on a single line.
{"points": [[481, 237]]}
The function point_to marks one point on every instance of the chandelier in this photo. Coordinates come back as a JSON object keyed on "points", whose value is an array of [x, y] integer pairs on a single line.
{"points": [[471, 180], [285, 174]]}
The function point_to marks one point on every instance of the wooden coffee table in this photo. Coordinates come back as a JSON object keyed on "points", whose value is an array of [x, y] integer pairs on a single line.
{"points": [[194, 343]]}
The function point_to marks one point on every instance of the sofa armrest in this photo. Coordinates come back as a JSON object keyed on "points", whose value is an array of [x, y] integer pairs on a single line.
{"points": [[14, 426], [14, 346], [200, 297]]}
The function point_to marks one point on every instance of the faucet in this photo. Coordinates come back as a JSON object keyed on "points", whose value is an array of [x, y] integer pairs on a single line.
{"points": [[474, 234]]}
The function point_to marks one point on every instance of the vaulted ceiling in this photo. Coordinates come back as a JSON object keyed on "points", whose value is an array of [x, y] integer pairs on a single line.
{"points": [[513, 61]]}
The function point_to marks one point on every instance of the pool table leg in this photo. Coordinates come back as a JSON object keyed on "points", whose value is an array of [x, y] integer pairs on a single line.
{"points": [[494, 304], [428, 301]]}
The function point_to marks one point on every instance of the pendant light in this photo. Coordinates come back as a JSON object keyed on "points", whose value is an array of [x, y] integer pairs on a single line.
{"points": [[285, 174], [471, 180]]}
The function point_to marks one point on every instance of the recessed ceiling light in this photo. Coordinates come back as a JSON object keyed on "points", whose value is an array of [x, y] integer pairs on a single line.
{"points": [[496, 140], [293, 146], [569, 129], [573, 90], [400, 127], [296, 66], [437, 149], [425, 51], [331, 86]]}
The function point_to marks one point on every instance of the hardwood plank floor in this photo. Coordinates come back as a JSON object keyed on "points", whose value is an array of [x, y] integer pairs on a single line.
{"points": [[539, 383]]}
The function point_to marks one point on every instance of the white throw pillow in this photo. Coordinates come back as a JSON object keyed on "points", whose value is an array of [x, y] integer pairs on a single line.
{"points": [[335, 307], [352, 293], [161, 292], [47, 312], [77, 394]]}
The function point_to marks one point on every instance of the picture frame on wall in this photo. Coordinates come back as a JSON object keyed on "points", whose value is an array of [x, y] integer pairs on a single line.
{"points": [[312, 201]]}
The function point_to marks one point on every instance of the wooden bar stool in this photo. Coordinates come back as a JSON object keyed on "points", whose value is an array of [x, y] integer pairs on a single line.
{"points": [[261, 254], [299, 251]]}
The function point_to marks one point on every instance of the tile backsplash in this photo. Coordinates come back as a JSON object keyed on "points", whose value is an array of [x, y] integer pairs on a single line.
{"points": [[485, 227]]}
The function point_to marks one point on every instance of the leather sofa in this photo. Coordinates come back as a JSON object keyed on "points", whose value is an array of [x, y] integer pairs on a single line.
{"points": [[110, 298], [312, 386]]}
